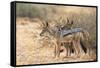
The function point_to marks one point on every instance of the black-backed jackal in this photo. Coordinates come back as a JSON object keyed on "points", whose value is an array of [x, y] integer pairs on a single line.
{"points": [[78, 42]]}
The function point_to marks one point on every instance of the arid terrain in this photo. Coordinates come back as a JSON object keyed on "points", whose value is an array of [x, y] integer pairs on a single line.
{"points": [[31, 48]]}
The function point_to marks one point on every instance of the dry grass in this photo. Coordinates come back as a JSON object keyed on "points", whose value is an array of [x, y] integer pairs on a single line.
{"points": [[32, 49]]}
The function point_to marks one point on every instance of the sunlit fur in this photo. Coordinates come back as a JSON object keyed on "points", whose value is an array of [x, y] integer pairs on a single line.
{"points": [[79, 41]]}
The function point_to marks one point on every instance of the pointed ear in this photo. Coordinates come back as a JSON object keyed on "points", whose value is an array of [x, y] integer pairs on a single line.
{"points": [[67, 20], [47, 24], [71, 22], [43, 23]]}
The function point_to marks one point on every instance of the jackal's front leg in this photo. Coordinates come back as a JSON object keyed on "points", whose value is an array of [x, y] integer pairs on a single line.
{"points": [[57, 49]]}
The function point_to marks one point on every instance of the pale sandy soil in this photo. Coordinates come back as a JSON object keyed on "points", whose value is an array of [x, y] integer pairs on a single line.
{"points": [[32, 49]]}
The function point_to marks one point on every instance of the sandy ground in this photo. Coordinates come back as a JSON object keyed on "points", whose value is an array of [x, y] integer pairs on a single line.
{"points": [[33, 49]]}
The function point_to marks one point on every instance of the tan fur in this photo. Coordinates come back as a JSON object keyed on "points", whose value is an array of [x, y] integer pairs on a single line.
{"points": [[70, 41], [75, 40]]}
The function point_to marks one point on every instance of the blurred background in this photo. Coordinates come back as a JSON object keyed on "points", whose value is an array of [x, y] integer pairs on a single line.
{"points": [[84, 17]]}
